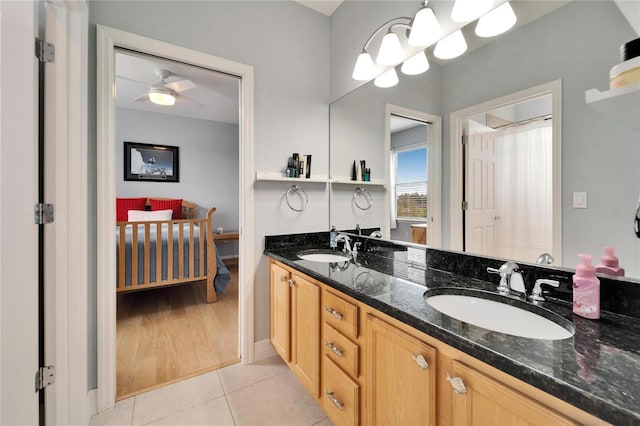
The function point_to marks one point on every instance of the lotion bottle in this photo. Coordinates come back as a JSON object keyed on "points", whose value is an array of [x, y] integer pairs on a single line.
{"points": [[609, 264], [586, 289]]}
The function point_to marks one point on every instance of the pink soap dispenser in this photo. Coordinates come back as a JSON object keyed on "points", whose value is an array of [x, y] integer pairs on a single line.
{"points": [[586, 289], [609, 263]]}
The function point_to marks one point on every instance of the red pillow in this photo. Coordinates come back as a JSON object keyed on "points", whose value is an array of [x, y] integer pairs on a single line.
{"points": [[175, 205], [123, 205]]}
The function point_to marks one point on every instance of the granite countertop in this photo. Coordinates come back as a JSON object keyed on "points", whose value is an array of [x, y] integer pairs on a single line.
{"points": [[596, 370]]}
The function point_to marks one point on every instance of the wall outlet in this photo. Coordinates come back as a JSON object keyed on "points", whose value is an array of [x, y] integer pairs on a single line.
{"points": [[417, 255], [416, 275]]}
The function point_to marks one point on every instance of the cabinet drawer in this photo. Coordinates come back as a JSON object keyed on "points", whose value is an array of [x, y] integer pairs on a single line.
{"points": [[342, 315], [343, 351], [340, 396]]}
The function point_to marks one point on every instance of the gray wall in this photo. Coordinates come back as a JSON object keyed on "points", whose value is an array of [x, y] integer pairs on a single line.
{"points": [[209, 163], [288, 46], [577, 43]]}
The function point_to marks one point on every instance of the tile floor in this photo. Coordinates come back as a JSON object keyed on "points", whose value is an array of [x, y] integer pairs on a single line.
{"points": [[264, 393]]}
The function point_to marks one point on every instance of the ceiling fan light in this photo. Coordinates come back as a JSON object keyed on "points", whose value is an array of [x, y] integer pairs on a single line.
{"points": [[468, 10], [417, 64], [451, 46], [161, 97], [425, 29], [365, 69], [387, 79], [390, 52], [497, 21]]}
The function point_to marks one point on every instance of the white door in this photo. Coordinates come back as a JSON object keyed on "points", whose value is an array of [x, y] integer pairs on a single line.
{"points": [[480, 194], [18, 232]]}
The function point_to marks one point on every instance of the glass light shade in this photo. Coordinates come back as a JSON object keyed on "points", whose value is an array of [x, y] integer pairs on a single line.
{"points": [[468, 10], [425, 29], [365, 69], [161, 97], [497, 21], [451, 46], [387, 79], [417, 64], [390, 52]]}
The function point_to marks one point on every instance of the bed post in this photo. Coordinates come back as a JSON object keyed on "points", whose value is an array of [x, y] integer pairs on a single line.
{"points": [[212, 266]]}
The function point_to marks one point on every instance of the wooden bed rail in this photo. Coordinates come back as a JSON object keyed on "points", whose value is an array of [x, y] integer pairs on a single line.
{"points": [[186, 272]]}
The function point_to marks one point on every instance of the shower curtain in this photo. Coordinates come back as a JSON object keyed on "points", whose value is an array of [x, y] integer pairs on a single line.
{"points": [[524, 190]]}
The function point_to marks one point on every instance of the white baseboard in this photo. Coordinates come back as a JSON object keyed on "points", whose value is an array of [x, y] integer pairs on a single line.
{"points": [[92, 402], [263, 350]]}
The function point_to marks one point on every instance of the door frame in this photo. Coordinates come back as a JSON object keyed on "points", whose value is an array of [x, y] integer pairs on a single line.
{"points": [[458, 129], [434, 168], [107, 41]]}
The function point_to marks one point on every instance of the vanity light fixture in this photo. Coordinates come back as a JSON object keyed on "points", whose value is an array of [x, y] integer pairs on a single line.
{"points": [[417, 64], [425, 29], [390, 52], [388, 78], [451, 46], [365, 69], [497, 21], [161, 96], [467, 10]]}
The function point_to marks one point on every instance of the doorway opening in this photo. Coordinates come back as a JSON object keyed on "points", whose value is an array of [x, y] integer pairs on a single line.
{"points": [[185, 152], [510, 178]]}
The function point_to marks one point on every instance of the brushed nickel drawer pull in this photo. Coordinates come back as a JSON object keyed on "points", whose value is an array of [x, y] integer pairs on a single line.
{"points": [[291, 282], [333, 348], [457, 384], [337, 315], [339, 405], [422, 363]]}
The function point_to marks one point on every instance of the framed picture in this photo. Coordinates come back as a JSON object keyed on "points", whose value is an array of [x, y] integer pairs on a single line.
{"points": [[145, 162]]}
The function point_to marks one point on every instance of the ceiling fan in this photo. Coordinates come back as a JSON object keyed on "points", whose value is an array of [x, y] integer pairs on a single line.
{"points": [[163, 92]]}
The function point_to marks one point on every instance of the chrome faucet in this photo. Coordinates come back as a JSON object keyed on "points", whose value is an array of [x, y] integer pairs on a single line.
{"points": [[376, 234], [348, 249], [510, 278], [536, 294], [545, 259]]}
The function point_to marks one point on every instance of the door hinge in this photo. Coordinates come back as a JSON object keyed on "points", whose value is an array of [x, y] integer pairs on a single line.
{"points": [[45, 376], [43, 213], [465, 205], [465, 139], [45, 52]]}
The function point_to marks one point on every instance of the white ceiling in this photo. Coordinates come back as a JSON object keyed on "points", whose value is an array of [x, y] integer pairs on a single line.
{"points": [[216, 95], [326, 7]]}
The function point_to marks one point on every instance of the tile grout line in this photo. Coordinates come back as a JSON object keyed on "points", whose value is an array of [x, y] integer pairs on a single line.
{"points": [[230, 409], [255, 383]]}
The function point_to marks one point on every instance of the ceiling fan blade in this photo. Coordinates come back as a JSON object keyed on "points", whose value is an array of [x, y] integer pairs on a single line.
{"points": [[187, 99], [142, 98], [181, 86], [132, 80]]}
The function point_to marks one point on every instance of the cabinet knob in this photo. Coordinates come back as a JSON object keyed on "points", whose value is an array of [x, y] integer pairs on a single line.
{"points": [[333, 348], [291, 282], [422, 363], [339, 405], [337, 315], [457, 384]]}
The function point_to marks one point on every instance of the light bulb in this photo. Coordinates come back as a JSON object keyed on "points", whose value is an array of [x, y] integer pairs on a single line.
{"points": [[161, 97], [365, 69], [390, 52], [387, 79], [468, 10], [451, 46], [425, 29], [417, 64], [497, 21]]}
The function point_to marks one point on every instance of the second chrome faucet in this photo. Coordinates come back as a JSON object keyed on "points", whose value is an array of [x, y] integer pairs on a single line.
{"points": [[510, 278]]}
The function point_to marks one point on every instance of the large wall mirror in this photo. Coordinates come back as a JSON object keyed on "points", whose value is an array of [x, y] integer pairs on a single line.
{"points": [[577, 43]]}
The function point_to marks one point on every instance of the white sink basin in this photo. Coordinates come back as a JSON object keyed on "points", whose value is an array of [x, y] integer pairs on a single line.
{"points": [[498, 316], [326, 256]]}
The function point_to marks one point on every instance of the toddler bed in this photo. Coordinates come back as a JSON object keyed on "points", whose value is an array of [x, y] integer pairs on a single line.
{"points": [[161, 248]]}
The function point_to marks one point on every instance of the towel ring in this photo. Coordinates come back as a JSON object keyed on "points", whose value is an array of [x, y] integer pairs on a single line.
{"points": [[367, 197], [296, 188]]}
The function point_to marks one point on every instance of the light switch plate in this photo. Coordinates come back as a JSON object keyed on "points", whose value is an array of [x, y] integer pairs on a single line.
{"points": [[416, 255], [416, 275], [579, 200]]}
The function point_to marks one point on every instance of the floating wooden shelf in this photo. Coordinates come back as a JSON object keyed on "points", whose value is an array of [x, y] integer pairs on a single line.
{"points": [[277, 177]]}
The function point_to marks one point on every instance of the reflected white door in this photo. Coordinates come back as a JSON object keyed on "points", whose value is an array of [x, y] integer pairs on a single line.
{"points": [[480, 194]]}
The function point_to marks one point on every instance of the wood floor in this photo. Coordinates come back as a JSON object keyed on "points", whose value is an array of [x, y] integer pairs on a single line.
{"points": [[169, 334]]}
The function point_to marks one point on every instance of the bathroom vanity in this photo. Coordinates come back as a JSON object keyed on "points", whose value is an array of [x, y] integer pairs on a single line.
{"points": [[364, 342]]}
